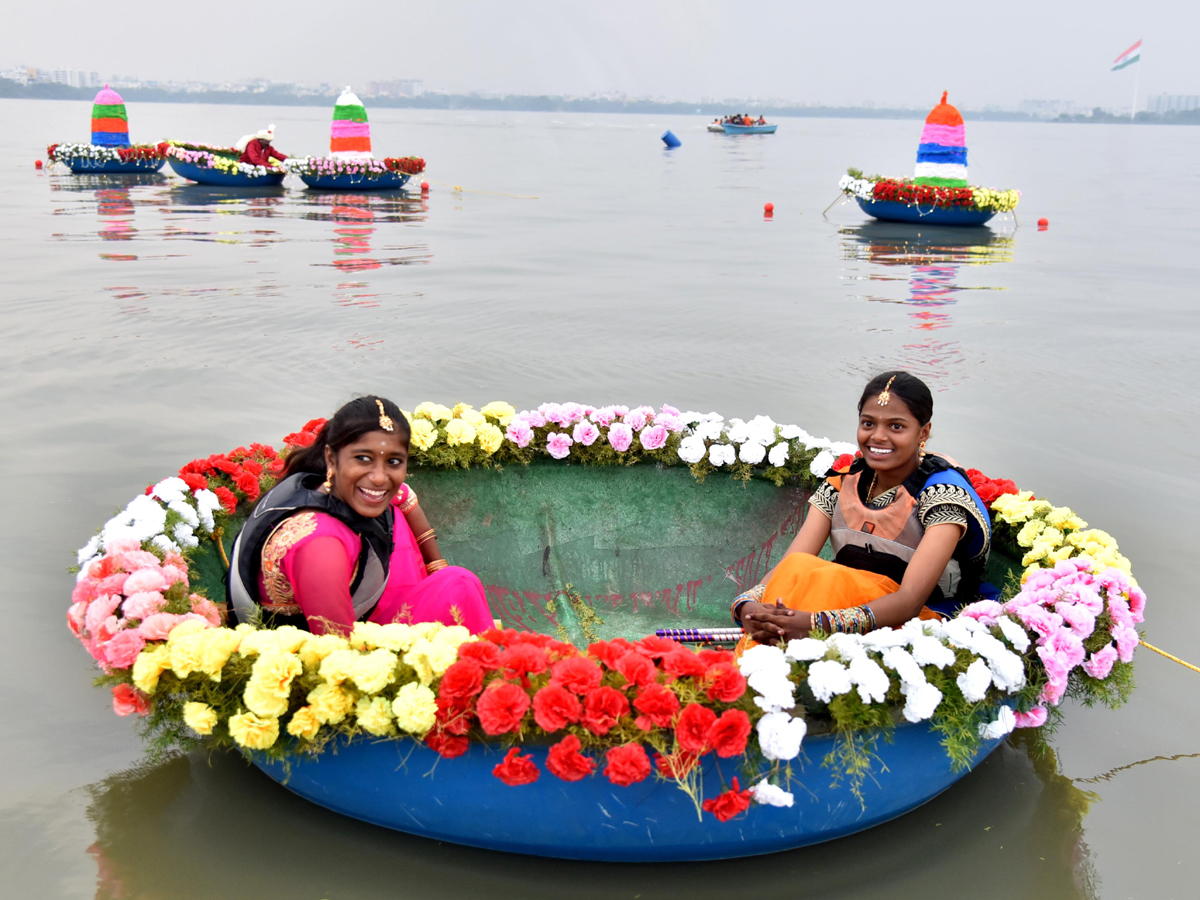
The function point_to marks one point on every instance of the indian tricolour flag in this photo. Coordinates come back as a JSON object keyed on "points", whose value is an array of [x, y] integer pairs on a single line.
{"points": [[1129, 57]]}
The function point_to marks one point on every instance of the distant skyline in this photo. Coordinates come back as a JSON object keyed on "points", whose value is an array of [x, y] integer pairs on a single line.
{"points": [[894, 55]]}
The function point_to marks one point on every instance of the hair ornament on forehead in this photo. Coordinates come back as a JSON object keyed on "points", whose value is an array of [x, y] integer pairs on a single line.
{"points": [[385, 421], [884, 398]]}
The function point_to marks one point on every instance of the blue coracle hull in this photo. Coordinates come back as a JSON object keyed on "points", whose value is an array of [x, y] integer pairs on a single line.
{"points": [[81, 165], [388, 181], [201, 175], [891, 211]]}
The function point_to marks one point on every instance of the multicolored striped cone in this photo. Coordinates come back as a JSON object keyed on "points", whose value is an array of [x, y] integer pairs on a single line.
{"points": [[942, 153], [349, 134], [110, 125]]}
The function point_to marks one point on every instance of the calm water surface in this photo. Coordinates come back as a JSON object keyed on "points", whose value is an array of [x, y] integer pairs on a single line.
{"points": [[144, 323]]}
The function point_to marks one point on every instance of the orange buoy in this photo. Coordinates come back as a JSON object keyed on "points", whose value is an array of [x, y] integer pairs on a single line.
{"points": [[1043, 224], [424, 187], [37, 163], [769, 208]]}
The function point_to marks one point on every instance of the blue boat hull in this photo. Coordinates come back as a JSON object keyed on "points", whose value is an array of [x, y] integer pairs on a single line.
{"points": [[409, 788], [201, 175], [749, 129], [891, 211], [81, 165], [387, 182]]}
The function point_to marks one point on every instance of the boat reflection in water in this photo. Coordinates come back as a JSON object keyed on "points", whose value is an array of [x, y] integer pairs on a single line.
{"points": [[201, 827], [921, 269]]}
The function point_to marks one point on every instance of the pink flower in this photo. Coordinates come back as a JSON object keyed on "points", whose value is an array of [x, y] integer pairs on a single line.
{"points": [[146, 580], [519, 432], [604, 416], [133, 560], [1053, 692], [1118, 607], [1137, 604], [620, 410], [175, 573], [113, 584], [128, 700], [1101, 662], [1127, 641], [654, 437], [1056, 667], [85, 591], [585, 433], [1039, 619], [620, 436], [202, 606], [99, 610], [635, 419], [158, 626], [122, 650], [75, 617], [534, 418], [670, 411], [142, 605], [1035, 718], [1078, 616], [985, 611], [558, 444], [672, 423], [122, 545], [573, 413], [1067, 644], [554, 413]]}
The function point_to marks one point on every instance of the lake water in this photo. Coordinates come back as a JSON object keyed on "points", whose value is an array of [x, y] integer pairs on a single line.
{"points": [[144, 324]]}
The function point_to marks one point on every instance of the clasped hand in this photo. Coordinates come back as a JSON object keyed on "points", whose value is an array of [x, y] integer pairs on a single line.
{"points": [[773, 624]]}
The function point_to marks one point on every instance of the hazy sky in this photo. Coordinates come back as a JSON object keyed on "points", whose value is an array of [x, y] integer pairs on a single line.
{"points": [[892, 53]]}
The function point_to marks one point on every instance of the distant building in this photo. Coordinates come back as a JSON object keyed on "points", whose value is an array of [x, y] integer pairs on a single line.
{"points": [[1167, 103], [400, 87], [1047, 109]]}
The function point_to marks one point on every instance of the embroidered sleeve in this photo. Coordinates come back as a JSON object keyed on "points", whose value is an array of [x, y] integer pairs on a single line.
{"points": [[944, 514], [407, 499], [824, 499], [941, 504]]}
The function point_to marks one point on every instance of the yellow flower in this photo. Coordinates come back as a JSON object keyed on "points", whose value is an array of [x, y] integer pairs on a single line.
{"points": [[396, 636], [330, 703], [374, 715], [270, 684], [148, 666], [365, 635], [304, 724], [434, 412], [490, 438], [415, 707], [474, 418], [500, 411], [317, 647], [252, 732], [262, 701], [260, 641], [460, 408], [424, 435], [1064, 552], [338, 666], [290, 638], [429, 659], [375, 670], [185, 628], [187, 651], [200, 717], [1063, 518], [427, 630], [1030, 531], [459, 432], [217, 645], [453, 636]]}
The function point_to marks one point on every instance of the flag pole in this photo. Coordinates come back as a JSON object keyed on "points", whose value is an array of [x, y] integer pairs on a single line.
{"points": [[1133, 110]]}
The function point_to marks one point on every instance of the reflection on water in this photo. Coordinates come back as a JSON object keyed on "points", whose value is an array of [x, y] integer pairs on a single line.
{"points": [[928, 281], [199, 827]]}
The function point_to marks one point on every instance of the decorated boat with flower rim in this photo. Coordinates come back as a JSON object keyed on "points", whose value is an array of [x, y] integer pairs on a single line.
{"points": [[219, 166], [566, 732], [110, 151]]}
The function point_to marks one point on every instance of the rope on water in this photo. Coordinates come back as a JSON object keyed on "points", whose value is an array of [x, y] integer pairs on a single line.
{"points": [[1169, 656], [459, 189]]}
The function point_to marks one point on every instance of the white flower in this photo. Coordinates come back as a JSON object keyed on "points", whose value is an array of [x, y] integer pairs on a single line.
{"points": [[185, 511], [142, 519], [761, 430], [691, 417], [837, 448], [780, 735], [88, 551], [778, 456], [872, 681], [771, 794], [752, 453], [885, 637], [805, 649], [739, 431], [206, 504], [795, 433], [775, 691], [901, 662], [710, 431], [929, 651], [822, 463], [764, 658], [848, 646], [165, 544], [1003, 724], [828, 678], [185, 536], [922, 701], [975, 681], [1014, 633], [721, 455], [692, 449], [170, 490]]}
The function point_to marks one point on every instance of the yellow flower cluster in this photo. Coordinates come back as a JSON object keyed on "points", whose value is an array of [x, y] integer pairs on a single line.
{"points": [[1000, 201], [1052, 533], [464, 426], [348, 676]]}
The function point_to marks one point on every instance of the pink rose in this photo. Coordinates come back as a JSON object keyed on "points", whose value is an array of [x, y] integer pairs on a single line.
{"points": [[620, 410], [202, 606], [558, 445], [635, 419], [99, 610], [75, 617], [519, 432], [158, 626], [620, 436], [554, 413], [1067, 644], [146, 580], [654, 437], [1101, 662], [1035, 718], [143, 604], [122, 650], [128, 700], [585, 433]]}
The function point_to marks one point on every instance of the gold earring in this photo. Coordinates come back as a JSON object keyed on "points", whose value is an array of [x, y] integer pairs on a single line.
{"points": [[328, 485], [921, 449]]}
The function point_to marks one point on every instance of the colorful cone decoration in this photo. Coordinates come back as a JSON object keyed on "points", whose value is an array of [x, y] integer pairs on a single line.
{"points": [[349, 135], [942, 153], [110, 125]]}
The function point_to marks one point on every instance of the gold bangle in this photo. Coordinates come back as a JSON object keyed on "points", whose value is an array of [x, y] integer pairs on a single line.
{"points": [[426, 535], [434, 566]]}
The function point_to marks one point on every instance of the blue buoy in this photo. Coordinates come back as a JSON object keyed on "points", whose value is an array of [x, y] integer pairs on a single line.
{"points": [[670, 140]]}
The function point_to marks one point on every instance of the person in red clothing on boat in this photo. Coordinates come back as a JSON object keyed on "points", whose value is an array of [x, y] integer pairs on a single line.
{"points": [[355, 546], [257, 150]]}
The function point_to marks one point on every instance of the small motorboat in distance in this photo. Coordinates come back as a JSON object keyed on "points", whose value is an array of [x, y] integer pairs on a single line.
{"points": [[730, 128]]}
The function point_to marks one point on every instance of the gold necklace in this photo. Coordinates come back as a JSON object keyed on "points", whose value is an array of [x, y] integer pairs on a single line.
{"points": [[871, 487]]}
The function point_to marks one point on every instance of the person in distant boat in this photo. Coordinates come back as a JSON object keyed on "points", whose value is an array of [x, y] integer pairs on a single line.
{"points": [[746, 120], [356, 546], [909, 534], [257, 150], [761, 121]]}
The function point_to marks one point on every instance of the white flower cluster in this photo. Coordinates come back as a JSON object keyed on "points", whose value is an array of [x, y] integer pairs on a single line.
{"points": [[858, 187], [94, 152], [865, 663], [148, 517], [725, 442]]}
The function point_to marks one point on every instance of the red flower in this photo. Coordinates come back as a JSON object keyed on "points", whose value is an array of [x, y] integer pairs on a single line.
{"points": [[531, 637], [602, 708], [711, 657], [313, 426], [608, 652], [276, 466], [576, 673], [729, 733], [299, 439], [691, 731], [555, 707], [226, 465], [501, 636], [523, 660], [724, 683], [445, 744], [657, 705], [729, 804], [228, 499], [676, 765], [462, 680], [485, 653], [682, 663], [517, 769], [254, 468], [501, 707], [654, 646], [248, 485], [565, 760], [263, 451], [843, 462], [627, 764], [453, 715], [636, 668], [194, 482], [128, 700]]}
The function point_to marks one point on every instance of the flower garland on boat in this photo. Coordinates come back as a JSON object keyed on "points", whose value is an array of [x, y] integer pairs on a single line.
{"points": [[219, 158], [63, 152], [902, 190], [367, 168], [629, 710]]}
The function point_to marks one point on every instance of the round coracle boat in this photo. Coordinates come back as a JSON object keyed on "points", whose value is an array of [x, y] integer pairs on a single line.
{"points": [[94, 159], [219, 166], [331, 173], [577, 727]]}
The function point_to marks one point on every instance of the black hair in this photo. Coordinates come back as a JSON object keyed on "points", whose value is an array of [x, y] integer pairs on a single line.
{"points": [[352, 421], [907, 387]]}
